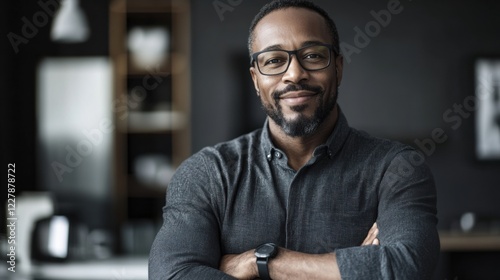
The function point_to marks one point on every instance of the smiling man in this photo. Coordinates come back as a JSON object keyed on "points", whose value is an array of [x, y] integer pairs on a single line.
{"points": [[306, 196]]}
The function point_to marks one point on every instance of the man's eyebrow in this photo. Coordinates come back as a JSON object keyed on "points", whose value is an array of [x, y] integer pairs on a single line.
{"points": [[276, 47], [311, 43], [279, 47]]}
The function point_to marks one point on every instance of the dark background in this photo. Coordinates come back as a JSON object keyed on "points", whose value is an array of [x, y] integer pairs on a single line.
{"points": [[398, 86]]}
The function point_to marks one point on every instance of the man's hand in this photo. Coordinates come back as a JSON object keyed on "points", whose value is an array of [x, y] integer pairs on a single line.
{"points": [[371, 238], [241, 266]]}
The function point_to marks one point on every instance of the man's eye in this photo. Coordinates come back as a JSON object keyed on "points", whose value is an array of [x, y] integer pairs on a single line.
{"points": [[313, 56], [273, 61]]}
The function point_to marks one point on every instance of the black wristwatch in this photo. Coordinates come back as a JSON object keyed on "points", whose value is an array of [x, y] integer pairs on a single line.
{"points": [[264, 253]]}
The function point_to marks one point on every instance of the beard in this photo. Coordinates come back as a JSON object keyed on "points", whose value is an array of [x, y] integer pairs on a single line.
{"points": [[302, 125]]}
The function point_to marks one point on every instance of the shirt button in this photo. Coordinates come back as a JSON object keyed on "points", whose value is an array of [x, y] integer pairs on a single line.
{"points": [[277, 154], [269, 157]]}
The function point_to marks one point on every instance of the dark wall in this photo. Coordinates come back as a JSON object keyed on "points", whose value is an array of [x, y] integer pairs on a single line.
{"points": [[398, 86], [4, 72]]}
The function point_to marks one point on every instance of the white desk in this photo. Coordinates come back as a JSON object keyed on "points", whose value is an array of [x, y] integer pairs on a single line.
{"points": [[130, 268]]}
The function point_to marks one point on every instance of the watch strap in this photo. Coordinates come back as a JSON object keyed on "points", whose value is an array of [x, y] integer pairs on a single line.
{"points": [[262, 265]]}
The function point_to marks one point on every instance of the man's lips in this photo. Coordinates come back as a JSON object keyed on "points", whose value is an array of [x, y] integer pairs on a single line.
{"points": [[294, 98]]}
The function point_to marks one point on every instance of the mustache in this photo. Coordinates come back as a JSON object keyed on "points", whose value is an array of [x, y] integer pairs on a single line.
{"points": [[296, 87]]}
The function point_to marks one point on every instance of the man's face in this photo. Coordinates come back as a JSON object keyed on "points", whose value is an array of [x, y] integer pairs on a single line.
{"points": [[298, 100]]}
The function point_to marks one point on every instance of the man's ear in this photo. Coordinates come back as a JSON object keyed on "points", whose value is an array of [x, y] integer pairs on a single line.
{"points": [[253, 73], [339, 67]]}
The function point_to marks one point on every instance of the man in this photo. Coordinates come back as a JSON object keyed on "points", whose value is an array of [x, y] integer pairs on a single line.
{"points": [[298, 198]]}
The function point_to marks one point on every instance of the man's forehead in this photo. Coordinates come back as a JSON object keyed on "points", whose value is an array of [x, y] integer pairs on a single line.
{"points": [[290, 25]]}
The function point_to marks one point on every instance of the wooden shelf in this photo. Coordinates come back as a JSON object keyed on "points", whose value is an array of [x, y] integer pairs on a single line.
{"points": [[451, 241], [156, 123]]}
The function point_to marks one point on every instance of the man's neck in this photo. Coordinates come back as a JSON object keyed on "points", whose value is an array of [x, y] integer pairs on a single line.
{"points": [[299, 150]]}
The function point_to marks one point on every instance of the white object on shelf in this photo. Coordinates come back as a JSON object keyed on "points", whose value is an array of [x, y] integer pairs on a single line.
{"points": [[148, 45], [153, 170]]}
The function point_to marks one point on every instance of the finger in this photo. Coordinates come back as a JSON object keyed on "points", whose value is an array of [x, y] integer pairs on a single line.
{"points": [[368, 240], [373, 229], [376, 242], [372, 234]]}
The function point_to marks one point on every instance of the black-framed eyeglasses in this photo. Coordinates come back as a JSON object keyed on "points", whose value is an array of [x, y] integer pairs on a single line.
{"points": [[276, 62]]}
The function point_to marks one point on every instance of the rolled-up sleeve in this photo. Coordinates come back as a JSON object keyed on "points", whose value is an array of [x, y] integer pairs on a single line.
{"points": [[188, 244], [407, 226]]}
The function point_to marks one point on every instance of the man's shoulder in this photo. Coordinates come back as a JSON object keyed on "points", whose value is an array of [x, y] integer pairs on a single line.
{"points": [[242, 145], [220, 158], [366, 143], [386, 155]]}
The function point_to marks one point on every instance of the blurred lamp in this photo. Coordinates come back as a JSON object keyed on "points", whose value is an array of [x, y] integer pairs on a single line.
{"points": [[70, 24]]}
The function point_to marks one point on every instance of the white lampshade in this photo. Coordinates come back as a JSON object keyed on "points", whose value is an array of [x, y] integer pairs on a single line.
{"points": [[70, 24]]}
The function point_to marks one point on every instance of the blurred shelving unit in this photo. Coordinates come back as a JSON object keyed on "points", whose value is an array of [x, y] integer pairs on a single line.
{"points": [[469, 242], [149, 45]]}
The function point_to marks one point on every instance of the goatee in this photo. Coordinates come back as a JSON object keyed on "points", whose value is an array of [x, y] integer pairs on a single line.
{"points": [[302, 125]]}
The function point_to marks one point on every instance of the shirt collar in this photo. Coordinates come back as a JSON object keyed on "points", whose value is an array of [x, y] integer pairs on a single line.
{"points": [[332, 145]]}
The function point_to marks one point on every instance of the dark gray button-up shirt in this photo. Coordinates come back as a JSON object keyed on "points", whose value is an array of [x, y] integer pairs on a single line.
{"points": [[234, 196]]}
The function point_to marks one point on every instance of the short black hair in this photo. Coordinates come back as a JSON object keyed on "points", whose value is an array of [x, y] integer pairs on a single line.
{"points": [[283, 4]]}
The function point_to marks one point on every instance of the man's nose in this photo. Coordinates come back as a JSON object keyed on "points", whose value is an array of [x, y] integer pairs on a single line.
{"points": [[295, 72]]}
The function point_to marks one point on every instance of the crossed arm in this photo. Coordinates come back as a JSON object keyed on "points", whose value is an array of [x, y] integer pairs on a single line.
{"points": [[290, 264]]}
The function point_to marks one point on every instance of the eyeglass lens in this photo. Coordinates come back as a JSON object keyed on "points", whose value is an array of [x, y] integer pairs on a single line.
{"points": [[277, 61]]}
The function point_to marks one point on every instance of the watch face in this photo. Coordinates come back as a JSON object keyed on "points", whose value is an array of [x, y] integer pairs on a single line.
{"points": [[265, 250]]}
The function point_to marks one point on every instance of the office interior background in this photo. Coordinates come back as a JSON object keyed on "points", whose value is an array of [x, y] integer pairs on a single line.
{"points": [[172, 77]]}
